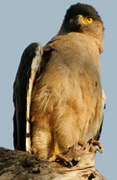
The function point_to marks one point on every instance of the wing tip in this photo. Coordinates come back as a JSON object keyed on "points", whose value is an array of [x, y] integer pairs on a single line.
{"points": [[35, 65]]}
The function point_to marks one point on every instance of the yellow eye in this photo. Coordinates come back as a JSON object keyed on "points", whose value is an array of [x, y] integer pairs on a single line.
{"points": [[89, 20]]}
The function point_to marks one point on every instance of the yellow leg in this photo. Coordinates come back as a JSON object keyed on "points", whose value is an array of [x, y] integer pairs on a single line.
{"points": [[55, 153], [58, 155]]}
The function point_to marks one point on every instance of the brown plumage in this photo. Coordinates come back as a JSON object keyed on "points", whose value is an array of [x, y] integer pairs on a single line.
{"points": [[67, 100]]}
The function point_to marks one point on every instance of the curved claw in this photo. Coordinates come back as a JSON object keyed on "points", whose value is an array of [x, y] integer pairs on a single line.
{"points": [[97, 143], [62, 160]]}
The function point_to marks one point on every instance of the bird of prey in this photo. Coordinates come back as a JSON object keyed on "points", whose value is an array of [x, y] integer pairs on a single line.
{"points": [[58, 97]]}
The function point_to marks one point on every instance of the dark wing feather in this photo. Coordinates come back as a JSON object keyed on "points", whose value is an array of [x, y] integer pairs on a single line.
{"points": [[20, 96], [97, 137]]}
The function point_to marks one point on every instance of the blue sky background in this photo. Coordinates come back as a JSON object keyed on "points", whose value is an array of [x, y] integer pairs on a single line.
{"points": [[23, 22]]}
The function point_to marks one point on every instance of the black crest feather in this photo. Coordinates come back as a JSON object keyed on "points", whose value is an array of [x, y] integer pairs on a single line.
{"points": [[83, 9]]}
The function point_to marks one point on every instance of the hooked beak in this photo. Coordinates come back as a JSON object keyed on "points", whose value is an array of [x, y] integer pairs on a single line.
{"points": [[79, 20]]}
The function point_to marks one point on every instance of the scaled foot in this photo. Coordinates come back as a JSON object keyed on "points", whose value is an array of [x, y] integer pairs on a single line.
{"points": [[69, 158], [62, 159], [98, 146]]}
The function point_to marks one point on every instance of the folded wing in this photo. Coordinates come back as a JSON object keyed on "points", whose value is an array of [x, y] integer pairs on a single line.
{"points": [[29, 65]]}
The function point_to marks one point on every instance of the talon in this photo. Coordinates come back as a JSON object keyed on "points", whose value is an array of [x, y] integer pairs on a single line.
{"points": [[97, 143], [61, 158], [68, 163], [100, 150]]}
